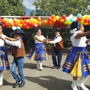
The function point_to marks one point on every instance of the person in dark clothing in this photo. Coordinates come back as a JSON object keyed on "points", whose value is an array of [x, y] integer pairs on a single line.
{"points": [[57, 49]]}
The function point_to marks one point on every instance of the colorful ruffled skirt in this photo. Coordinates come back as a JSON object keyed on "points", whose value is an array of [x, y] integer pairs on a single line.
{"points": [[4, 63], [38, 52], [77, 62]]}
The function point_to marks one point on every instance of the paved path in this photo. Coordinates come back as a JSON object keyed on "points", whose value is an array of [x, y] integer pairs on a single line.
{"points": [[48, 79]]}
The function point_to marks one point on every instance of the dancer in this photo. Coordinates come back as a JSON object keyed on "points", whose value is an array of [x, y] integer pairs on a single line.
{"points": [[4, 62], [57, 49], [38, 52], [77, 62], [18, 53]]}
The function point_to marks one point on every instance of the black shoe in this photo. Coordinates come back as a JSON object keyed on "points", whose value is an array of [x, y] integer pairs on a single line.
{"points": [[16, 84], [58, 67], [21, 84], [54, 67]]}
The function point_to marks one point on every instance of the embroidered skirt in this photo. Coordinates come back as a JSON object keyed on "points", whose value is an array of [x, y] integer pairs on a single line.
{"points": [[4, 63], [77, 62], [38, 52]]}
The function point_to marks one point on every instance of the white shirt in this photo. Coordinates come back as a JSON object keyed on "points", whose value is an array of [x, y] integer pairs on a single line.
{"points": [[14, 43], [56, 40], [2, 41], [40, 37], [81, 42]]}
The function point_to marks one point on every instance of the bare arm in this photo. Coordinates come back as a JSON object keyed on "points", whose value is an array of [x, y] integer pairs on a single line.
{"points": [[44, 40], [49, 39], [11, 39], [79, 35], [2, 38]]}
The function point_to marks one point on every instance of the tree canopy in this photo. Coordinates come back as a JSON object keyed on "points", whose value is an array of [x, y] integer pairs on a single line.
{"points": [[60, 7], [11, 7]]}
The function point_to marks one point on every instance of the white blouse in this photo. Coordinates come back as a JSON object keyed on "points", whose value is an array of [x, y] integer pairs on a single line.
{"points": [[2, 41], [81, 42], [40, 37]]}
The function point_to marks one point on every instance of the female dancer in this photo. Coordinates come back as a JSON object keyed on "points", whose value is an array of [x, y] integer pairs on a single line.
{"points": [[4, 63], [38, 50], [77, 62]]}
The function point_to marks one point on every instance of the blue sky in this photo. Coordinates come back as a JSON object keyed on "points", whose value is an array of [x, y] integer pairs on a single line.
{"points": [[29, 5], [27, 12]]}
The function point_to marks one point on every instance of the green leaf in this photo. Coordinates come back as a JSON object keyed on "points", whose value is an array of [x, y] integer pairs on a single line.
{"points": [[11, 7]]}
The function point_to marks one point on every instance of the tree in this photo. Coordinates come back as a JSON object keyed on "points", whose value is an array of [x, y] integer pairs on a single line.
{"points": [[32, 13], [11, 7], [59, 7]]}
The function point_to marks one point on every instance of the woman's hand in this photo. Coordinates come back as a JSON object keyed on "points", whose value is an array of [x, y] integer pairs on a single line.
{"points": [[44, 40]]}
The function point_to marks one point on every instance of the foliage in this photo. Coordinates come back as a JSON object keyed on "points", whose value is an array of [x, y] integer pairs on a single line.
{"points": [[60, 7], [11, 7], [32, 13]]}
